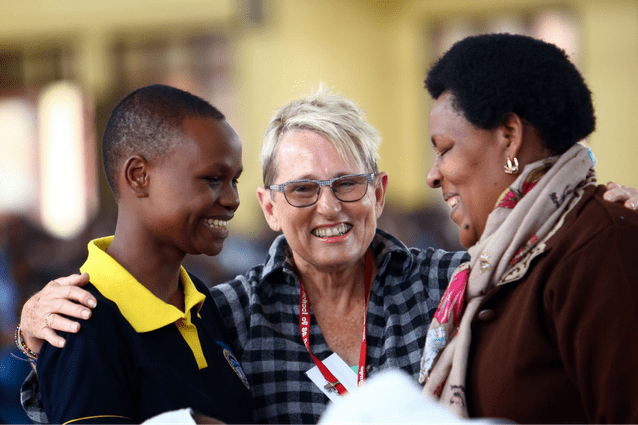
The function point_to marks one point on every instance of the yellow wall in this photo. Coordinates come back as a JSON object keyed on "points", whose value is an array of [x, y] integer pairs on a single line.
{"points": [[611, 68], [344, 44], [372, 51]]}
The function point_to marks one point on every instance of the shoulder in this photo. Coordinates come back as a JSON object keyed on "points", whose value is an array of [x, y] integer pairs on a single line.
{"points": [[414, 269], [105, 326], [238, 289], [593, 255], [440, 261], [234, 300], [594, 223], [614, 213], [106, 318], [96, 361], [96, 350], [202, 288], [260, 281], [392, 251]]}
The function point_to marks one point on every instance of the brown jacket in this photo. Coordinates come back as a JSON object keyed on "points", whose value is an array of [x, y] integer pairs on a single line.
{"points": [[561, 344]]}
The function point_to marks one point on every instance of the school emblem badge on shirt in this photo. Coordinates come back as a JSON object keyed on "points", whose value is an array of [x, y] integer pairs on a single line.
{"points": [[233, 362]]}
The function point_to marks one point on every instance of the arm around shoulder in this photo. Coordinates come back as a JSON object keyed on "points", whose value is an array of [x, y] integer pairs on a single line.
{"points": [[88, 379]]}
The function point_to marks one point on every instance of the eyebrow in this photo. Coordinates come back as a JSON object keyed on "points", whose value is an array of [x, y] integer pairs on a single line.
{"points": [[217, 168], [309, 177]]}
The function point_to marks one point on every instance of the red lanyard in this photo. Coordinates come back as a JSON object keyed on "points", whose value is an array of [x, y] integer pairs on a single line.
{"points": [[304, 326]]}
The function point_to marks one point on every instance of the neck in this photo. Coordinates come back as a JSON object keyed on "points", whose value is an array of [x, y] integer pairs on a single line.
{"points": [[338, 288], [532, 149], [337, 300], [157, 270]]}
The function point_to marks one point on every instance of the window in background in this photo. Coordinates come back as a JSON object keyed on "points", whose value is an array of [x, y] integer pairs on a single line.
{"points": [[68, 195], [48, 162], [557, 26], [19, 159], [200, 63]]}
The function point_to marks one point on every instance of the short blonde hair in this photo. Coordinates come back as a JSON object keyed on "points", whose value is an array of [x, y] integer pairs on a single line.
{"points": [[331, 115]]}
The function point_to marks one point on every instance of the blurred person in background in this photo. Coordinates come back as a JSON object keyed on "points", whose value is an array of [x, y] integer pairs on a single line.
{"points": [[25, 262]]}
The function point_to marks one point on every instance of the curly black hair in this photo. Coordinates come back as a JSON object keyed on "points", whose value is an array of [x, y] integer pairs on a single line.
{"points": [[148, 121], [491, 75]]}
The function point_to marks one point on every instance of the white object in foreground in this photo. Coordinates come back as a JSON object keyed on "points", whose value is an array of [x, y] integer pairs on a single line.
{"points": [[392, 396]]}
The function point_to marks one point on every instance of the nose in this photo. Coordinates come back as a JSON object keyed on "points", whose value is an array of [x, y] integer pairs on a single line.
{"points": [[230, 197], [434, 176], [328, 204]]}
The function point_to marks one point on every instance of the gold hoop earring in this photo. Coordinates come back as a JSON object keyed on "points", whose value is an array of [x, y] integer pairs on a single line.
{"points": [[511, 168]]}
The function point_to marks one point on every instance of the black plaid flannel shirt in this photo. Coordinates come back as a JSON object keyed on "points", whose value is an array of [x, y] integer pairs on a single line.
{"points": [[261, 311]]}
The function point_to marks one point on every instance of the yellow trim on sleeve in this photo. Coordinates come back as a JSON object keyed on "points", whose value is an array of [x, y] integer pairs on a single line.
{"points": [[98, 416]]}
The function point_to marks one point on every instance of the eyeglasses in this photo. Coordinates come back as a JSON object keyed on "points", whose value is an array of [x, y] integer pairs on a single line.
{"points": [[303, 193]]}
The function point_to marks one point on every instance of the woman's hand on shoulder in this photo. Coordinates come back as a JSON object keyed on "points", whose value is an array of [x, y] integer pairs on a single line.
{"points": [[42, 314], [627, 195]]}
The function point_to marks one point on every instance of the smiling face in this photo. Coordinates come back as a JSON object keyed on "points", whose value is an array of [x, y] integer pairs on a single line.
{"points": [[468, 168], [192, 193], [329, 235]]}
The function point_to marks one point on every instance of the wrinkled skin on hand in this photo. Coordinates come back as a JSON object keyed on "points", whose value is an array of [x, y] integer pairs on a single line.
{"points": [[59, 297], [618, 193]]}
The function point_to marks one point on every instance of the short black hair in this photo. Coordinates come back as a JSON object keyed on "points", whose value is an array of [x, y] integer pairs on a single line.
{"points": [[491, 75], [148, 122]]}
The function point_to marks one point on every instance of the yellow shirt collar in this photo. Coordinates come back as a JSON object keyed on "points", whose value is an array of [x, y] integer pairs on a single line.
{"points": [[143, 310]]}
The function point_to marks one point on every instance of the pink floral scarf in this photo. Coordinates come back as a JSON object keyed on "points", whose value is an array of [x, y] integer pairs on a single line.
{"points": [[526, 215]]}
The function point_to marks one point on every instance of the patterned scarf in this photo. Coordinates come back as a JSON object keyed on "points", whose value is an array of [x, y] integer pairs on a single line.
{"points": [[515, 233]]}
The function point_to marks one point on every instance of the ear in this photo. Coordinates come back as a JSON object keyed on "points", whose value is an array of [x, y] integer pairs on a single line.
{"points": [[136, 176], [379, 192], [513, 128], [268, 206]]}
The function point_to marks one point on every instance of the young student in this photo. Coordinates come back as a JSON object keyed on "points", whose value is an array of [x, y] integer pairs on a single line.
{"points": [[156, 339]]}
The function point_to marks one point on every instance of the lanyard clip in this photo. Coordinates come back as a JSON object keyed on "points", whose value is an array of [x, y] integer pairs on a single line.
{"points": [[332, 385]]}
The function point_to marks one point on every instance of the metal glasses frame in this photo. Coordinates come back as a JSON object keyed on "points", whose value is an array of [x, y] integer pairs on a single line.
{"points": [[322, 183]]}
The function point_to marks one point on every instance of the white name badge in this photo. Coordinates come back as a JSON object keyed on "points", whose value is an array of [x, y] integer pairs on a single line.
{"points": [[340, 369]]}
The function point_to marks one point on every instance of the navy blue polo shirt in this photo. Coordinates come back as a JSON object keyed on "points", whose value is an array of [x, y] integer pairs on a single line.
{"points": [[138, 356]]}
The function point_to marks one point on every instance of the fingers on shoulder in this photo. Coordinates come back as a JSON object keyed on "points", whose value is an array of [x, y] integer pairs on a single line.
{"points": [[73, 280], [52, 337], [57, 322], [76, 295]]}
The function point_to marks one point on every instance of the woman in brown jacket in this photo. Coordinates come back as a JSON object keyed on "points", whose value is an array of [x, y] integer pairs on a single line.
{"points": [[541, 325]]}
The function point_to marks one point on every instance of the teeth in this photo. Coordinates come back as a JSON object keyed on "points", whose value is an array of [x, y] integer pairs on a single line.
{"points": [[453, 201], [326, 232], [219, 224]]}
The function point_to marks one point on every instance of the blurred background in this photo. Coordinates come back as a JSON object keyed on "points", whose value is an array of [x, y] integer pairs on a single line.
{"points": [[65, 64]]}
